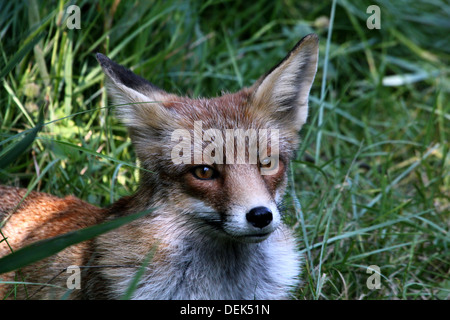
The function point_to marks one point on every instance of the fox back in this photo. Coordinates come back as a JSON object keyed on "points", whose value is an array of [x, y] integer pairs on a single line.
{"points": [[214, 172]]}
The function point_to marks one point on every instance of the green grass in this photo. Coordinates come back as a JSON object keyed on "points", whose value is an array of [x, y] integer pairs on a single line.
{"points": [[370, 185]]}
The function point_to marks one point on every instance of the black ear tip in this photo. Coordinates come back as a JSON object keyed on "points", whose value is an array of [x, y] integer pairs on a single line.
{"points": [[120, 74], [101, 58]]}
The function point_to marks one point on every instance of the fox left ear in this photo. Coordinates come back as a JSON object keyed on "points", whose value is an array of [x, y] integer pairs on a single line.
{"points": [[284, 90], [138, 102]]}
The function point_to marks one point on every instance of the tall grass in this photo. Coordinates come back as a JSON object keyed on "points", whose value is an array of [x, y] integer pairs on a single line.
{"points": [[370, 184]]}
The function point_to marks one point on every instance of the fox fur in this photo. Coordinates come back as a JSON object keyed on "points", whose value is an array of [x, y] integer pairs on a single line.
{"points": [[219, 237]]}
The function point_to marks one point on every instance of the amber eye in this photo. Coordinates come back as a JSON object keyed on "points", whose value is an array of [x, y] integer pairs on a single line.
{"points": [[204, 173]]}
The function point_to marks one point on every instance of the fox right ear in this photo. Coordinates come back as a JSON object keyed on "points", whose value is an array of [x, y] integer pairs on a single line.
{"points": [[282, 93], [138, 102]]}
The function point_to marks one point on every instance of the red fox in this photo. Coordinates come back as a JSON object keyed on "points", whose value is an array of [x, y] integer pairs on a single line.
{"points": [[216, 230]]}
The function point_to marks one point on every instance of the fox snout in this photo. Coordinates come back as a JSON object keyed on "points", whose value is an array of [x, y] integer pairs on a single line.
{"points": [[259, 217], [255, 225], [246, 215]]}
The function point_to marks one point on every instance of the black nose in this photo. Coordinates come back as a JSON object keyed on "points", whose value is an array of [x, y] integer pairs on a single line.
{"points": [[259, 217]]}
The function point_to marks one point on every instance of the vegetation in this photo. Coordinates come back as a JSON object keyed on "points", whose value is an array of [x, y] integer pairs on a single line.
{"points": [[370, 185]]}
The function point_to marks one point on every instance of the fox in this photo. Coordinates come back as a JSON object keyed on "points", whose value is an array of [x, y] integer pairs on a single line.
{"points": [[215, 230]]}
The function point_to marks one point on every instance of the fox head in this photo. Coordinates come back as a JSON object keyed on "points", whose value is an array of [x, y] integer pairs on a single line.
{"points": [[220, 163]]}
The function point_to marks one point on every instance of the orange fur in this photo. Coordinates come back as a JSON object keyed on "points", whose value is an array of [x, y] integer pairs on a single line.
{"points": [[41, 216]]}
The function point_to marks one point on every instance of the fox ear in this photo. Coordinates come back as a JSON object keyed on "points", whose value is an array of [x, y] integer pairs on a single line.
{"points": [[284, 90], [138, 102]]}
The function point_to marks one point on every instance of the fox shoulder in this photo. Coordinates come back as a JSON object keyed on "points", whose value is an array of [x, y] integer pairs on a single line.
{"points": [[26, 218]]}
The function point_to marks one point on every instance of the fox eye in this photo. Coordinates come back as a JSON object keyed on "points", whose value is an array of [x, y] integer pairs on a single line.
{"points": [[265, 163], [204, 173]]}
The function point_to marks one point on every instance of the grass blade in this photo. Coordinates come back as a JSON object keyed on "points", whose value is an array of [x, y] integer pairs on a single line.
{"points": [[94, 153], [365, 230], [135, 281], [20, 55], [23, 144]]}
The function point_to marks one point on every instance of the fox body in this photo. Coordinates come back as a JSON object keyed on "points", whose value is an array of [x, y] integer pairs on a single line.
{"points": [[215, 231]]}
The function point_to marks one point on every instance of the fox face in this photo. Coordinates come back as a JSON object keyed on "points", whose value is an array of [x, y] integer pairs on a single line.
{"points": [[220, 163]]}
